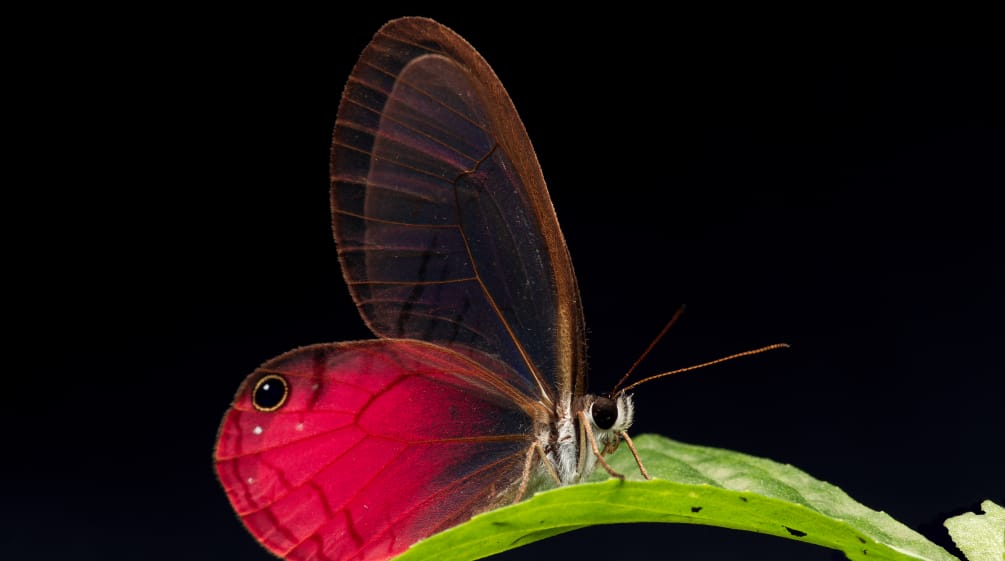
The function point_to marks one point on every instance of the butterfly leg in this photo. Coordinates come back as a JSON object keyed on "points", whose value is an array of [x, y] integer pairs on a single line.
{"points": [[528, 465], [612, 446], [638, 460], [525, 479], [547, 463], [585, 423]]}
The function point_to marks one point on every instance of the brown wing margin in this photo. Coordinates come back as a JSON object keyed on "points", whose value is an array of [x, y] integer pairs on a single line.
{"points": [[375, 169]]}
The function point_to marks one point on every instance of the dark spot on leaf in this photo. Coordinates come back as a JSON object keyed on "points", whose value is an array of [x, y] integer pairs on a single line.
{"points": [[861, 539], [696, 509], [497, 523], [796, 533], [744, 499], [865, 552]]}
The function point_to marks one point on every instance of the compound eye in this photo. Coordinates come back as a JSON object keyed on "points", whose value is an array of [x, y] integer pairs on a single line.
{"points": [[604, 412], [270, 393]]}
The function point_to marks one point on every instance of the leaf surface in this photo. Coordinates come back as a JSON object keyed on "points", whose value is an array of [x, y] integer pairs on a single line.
{"points": [[981, 537], [692, 485]]}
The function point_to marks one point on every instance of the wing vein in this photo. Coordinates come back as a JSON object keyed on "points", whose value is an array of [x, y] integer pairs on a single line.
{"points": [[538, 378], [395, 163], [385, 115], [395, 222], [413, 283], [398, 79]]}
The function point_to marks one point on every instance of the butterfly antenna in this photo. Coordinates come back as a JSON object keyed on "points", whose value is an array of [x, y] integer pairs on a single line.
{"points": [[709, 363], [649, 349]]}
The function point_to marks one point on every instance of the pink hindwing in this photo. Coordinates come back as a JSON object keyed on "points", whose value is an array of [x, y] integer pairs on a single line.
{"points": [[377, 445]]}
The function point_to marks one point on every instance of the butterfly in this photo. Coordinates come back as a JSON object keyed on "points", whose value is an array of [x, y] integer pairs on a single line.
{"points": [[473, 393]]}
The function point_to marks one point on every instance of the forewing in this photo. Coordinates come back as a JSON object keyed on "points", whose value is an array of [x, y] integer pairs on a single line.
{"points": [[379, 444], [444, 226]]}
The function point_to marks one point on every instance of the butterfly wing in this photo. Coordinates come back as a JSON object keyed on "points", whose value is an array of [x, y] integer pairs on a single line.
{"points": [[443, 222], [376, 445], [454, 257]]}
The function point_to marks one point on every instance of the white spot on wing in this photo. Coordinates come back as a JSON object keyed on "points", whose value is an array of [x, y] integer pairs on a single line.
{"points": [[257, 430], [300, 426]]}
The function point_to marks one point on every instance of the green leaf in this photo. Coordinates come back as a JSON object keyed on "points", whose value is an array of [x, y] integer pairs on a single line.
{"points": [[981, 537], [693, 485]]}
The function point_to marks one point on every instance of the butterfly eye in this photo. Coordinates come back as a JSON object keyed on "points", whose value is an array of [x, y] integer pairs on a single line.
{"points": [[604, 412], [270, 393]]}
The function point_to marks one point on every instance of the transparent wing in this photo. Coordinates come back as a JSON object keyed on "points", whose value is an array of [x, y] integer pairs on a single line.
{"points": [[444, 226]]}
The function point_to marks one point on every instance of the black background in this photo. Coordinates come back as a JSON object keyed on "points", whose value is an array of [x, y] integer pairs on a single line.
{"points": [[170, 232]]}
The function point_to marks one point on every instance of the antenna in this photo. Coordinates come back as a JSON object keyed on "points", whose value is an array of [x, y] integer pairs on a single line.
{"points": [[709, 363], [646, 352]]}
